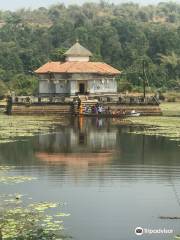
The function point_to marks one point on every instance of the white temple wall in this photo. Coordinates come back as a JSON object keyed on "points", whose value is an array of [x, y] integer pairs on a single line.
{"points": [[102, 86], [50, 87], [77, 59], [61, 84], [73, 87], [46, 87], [62, 87]]}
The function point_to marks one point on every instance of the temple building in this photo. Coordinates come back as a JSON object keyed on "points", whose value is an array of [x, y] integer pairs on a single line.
{"points": [[77, 75]]}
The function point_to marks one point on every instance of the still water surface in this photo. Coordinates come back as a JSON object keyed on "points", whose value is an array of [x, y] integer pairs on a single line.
{"points": [[110, 179]]}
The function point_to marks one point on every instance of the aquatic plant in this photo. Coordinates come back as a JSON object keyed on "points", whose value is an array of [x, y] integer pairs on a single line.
{"points": [[15, 179], [32, 222], [12, 127], [159, 126], [177, 237], [6, 179], [167, 125]]}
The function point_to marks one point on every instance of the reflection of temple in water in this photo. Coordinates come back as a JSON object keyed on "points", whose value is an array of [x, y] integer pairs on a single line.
{"points": [[91, 136], [86, 141], [91, 149]]}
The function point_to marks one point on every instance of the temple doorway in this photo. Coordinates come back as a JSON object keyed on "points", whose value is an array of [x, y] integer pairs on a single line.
{"points": [[81, 88]]}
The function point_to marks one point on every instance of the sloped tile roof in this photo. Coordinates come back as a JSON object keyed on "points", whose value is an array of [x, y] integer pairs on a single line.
{"points": [[77, 67], [78, 50]]}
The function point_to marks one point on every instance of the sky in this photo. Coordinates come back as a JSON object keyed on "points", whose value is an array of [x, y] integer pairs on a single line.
{"points": [[17, 4]]}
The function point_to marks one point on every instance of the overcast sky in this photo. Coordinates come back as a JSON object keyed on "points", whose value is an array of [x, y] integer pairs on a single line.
{"points": [[17, 4]]}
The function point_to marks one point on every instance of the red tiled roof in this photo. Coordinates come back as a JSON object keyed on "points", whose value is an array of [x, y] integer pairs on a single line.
{"points": [[78, 67]]}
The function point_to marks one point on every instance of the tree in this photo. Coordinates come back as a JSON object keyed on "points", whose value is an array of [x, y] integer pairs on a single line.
{"points": [[121, 35], [24, 84]]}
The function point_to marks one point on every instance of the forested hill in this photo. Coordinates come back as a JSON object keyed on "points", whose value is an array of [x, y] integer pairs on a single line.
{"points": [[121, 35]]}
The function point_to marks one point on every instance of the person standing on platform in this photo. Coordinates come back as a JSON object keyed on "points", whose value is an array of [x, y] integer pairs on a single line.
{"points": [[80, 109]]}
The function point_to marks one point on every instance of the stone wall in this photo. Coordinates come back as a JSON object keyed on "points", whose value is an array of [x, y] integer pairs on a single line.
{"points": [[64, 84], [45, 109]]}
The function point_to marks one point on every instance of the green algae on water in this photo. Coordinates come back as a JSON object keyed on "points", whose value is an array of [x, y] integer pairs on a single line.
{"points": [[12, 127], [8, 179], [15, 179], [34, 221], [159, 126], [31, 222]]}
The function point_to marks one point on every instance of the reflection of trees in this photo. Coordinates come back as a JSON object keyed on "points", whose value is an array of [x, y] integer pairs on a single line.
{"points": [[157, 150], [100, 154]]}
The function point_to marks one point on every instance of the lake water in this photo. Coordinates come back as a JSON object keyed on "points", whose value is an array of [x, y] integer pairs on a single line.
{"points": [[111, 180]]}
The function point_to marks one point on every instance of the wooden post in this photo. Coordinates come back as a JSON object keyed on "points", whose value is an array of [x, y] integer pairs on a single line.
{"points": [[144, 81], [9, 105]]}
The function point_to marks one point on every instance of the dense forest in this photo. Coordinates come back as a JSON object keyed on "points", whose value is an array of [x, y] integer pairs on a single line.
{"points": [[122, 35]]}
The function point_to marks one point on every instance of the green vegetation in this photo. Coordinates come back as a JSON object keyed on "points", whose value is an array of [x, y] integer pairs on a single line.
{"points": [[170, 109], [121, 35], [24, 126], [14, 179], [34, 221], [160, 126], [37, 223], [166, 125], [172, 96], [22, 219]]}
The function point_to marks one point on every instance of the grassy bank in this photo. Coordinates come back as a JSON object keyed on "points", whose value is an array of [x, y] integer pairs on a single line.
{"points": [[172, 96], [170, 108], [167, 125]]}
